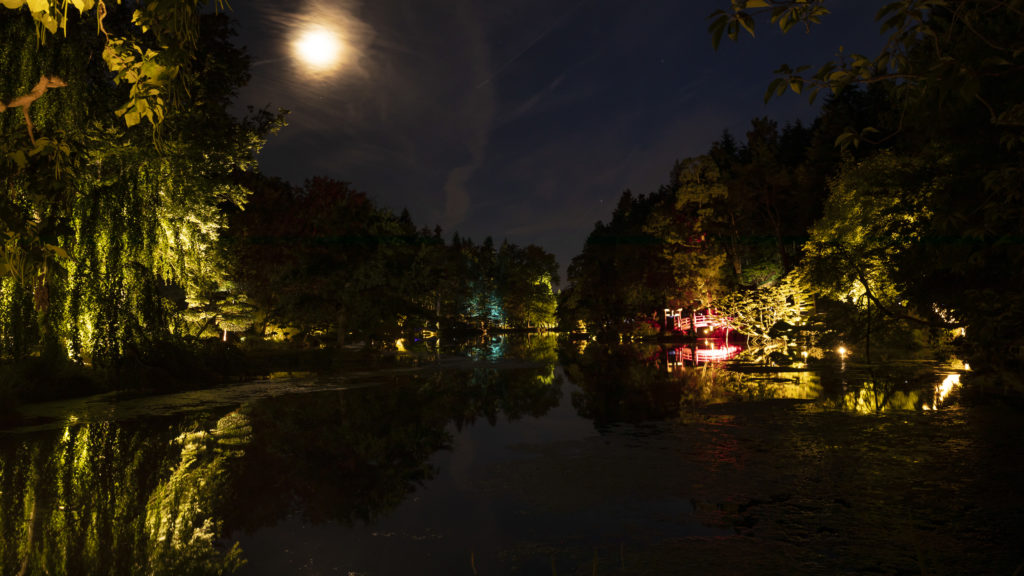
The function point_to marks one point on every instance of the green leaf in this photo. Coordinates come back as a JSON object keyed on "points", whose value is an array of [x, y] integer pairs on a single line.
{"points": [[747, 21], [894, 23], [151, 69], [132, 117], [13, 4], [786, 21], [20, 159], [59, 251], [814, 94], [773, 88], [36, 6], [837, 76], [733, 31], [48, 22], [995, 61], [886, 10], [844, 140], [717, 28]]}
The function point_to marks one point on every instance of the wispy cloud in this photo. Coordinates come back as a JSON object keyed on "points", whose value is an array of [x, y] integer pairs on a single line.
{"points": [[477, 117], [531, 103], [531, 43]]}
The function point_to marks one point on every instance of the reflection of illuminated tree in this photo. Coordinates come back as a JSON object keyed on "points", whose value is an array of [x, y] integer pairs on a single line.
{"points": [[894, 388], [343, 455], [130, 499], [80, 502], [356, 454], [541, 348], [615, 385], [68, 502], [799, 385], [181, 525], [877, 395]]}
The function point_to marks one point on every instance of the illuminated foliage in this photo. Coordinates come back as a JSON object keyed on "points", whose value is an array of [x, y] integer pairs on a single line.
{"points": [[757, 312], [685, 231], [876, 214], [158, 74], [952, 54], [108, 239], [524, 277], [950, 73]]}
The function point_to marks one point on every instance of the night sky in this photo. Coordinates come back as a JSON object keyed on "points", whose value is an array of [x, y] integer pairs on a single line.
{"points": [[519, 119]]}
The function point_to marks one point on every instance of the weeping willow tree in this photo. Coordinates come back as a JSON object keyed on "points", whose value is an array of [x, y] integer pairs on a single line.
{"points": [[114, 175]]}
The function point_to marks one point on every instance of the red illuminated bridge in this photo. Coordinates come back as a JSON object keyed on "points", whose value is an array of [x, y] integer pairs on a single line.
{"points": [[678, 321]]}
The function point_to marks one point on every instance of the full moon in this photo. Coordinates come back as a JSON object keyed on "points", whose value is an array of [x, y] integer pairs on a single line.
{"points": [[319, 49]]}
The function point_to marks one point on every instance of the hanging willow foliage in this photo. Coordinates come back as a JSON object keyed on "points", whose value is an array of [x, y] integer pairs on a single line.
{"points": [[107, 238]]}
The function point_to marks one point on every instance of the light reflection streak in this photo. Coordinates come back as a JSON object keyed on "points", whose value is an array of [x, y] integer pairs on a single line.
{"points": [[943, 390], [678, 357]]}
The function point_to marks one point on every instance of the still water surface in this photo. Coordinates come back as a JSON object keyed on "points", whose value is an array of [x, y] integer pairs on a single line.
{"points": [[524, 457]]}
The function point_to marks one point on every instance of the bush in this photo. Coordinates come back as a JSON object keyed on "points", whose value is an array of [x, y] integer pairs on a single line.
{"points": [[37, 379]]}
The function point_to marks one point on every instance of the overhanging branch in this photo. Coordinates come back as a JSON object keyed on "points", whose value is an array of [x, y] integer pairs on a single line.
{"points": [[26, 100], [899, 316]]}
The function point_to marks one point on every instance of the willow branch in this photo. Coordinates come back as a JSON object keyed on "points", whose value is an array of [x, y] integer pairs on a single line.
{"points": [[26, 100]]}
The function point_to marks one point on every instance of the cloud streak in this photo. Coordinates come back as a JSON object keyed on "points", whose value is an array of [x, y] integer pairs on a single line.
{"points": [[478, 114]]}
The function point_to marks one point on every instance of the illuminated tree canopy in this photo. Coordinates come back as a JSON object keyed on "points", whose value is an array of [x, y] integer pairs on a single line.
{"points": [[108, 234], [950, 251]]}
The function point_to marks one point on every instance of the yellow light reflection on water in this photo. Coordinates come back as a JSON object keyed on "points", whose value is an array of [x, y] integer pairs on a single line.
{"points": [[876, 399], [943, 390]]}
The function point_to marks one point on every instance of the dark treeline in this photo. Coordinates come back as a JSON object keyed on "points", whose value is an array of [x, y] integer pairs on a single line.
{"points": [[135, 226], [323, 258], [896, 216]]}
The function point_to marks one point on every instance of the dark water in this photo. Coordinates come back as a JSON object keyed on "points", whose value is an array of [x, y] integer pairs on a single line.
{"points": [[522, 457]]}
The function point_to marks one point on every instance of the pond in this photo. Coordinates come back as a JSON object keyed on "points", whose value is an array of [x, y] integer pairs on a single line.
{"points": [[524, 456]]}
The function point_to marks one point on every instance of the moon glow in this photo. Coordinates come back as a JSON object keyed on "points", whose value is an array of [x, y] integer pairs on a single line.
{"points": [[318, 49]]}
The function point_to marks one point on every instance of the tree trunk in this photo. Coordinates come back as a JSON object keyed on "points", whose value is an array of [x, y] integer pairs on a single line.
{"points": [[737, 262], [867, 345]]}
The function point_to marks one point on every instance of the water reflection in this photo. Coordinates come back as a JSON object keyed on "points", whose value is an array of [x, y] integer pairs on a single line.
{"points": [[538, 348], [702, 351], [97, 499], [158, 496], [944, 392], [630, 383], [354, 455]]}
